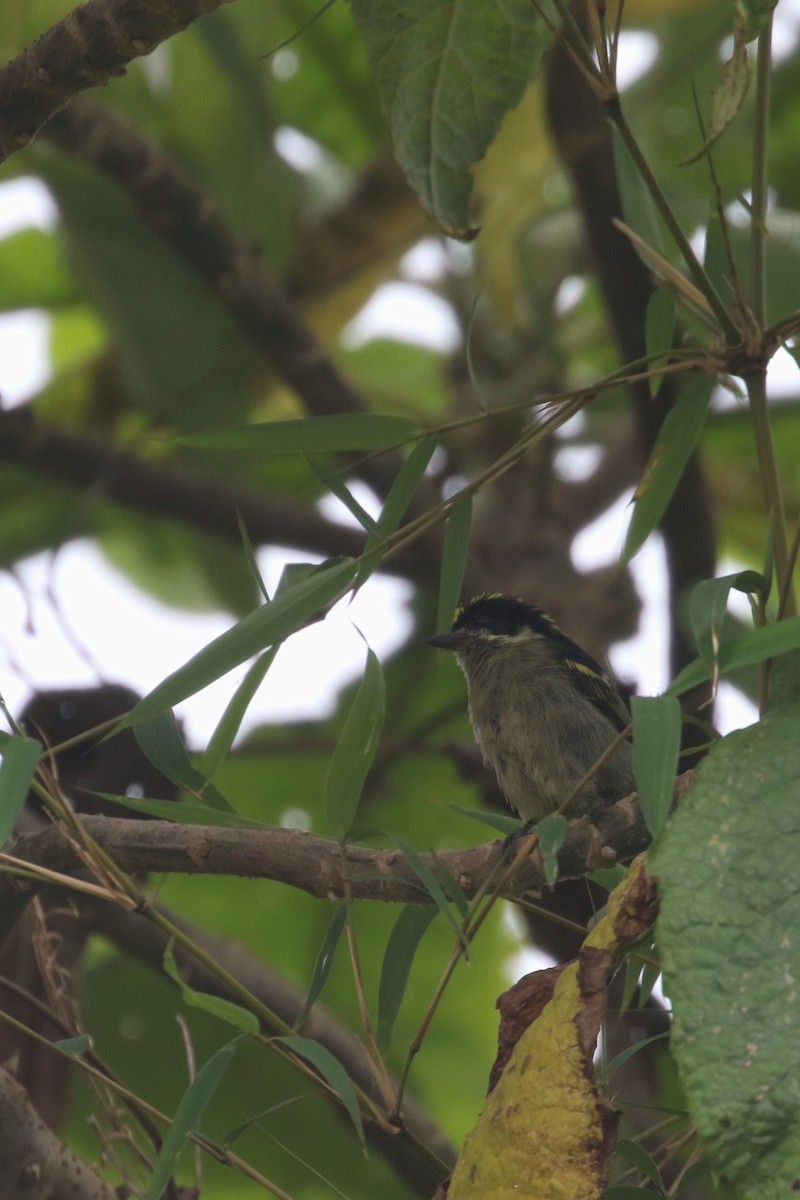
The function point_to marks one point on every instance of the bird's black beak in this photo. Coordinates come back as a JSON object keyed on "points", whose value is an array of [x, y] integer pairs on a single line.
{"points": [[445, 641]]}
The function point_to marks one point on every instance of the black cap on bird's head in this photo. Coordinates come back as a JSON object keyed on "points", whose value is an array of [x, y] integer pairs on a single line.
{"points": [[495, 618], [496, 622]]}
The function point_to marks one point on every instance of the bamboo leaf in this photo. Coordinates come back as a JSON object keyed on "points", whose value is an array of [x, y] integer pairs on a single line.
{"points": [[336, 486], [189, 1114], [656, 742], [159, 738], [454, 559], [331, 1071], [324, 963], [266, 626], [551, 831], [355, 749], [308, 435], [225, 1010], [755, 646], [674, 445], [401, 947], [20, 756]]}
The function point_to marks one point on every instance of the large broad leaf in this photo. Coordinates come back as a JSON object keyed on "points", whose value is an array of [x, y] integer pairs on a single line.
{"points": [[447, 74], [730, 911]]}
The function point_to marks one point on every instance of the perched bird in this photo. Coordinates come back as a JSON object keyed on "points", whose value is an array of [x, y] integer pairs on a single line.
{"points": [[542, 710]]}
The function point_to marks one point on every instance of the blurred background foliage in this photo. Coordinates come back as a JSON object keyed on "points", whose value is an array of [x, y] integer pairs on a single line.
{"points": [[290, 147]]}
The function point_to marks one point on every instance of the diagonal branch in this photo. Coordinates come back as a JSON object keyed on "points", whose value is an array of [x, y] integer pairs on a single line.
{"points": [[90, 45], [231, 267], [185, 216]]}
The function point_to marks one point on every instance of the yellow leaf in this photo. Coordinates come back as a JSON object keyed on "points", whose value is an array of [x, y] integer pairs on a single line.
{"points": [[545, 1132]]}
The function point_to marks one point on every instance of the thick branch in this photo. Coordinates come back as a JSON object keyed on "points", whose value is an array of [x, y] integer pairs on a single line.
{"points": [[33, 1162], [319, 865], [93, 43]]}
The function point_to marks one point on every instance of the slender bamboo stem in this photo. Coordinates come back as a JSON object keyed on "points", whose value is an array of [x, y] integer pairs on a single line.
{"points": [[756, 383], [758, 224]]}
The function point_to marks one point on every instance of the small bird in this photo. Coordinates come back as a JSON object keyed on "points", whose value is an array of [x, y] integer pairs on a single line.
{"points": [[542, 710]]}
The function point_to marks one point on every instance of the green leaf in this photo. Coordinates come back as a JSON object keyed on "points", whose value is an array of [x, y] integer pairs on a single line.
{"points": [[404, 486], [623, 1191], [189, 1114], [401, 947], [447, 74], [656, 743], [309, 435], [225, 1010], [75, 1045], [159, 738], [708, 604], [20, 756], [728, 936], [231, 720], [755, 646], [331, 1071], [674, 445], [182, 813], [638, 206], [551, 831], [495, 821], [638, 1156], [729, 95], [430, 883], [454, 559], [694, 1173], [324, 963], [619, 1059], [32, 272], [355, 749], [659, 332], [335, 485], [266, 626]]}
